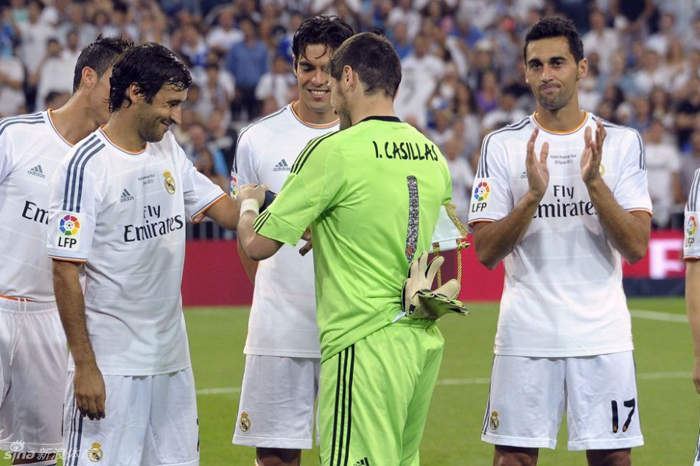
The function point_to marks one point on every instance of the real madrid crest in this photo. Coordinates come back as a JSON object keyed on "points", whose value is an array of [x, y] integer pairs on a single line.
{"points": [[95, 452], [245, 422], [169, 182], [494, 421]]}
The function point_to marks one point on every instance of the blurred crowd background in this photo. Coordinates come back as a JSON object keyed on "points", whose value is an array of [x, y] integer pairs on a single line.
{"points": [[463, 70]]}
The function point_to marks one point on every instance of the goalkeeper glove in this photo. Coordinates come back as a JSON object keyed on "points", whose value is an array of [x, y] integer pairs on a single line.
{"points": [[419, 301]]}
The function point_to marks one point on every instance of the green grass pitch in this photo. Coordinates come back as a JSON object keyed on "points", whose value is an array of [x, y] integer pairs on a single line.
{"points": [[667, 399]]}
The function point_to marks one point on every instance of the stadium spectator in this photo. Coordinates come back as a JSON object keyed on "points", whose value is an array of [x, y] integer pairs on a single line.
{"points": [[247, 62], [403, 13], [461, 174], [603, 40], [54, 74], [276, 83], [663, 165], [506, 113], [690, 162], [652, 73], [199, 144], [193, 46], [488, 94], [12, 100], [399, 38], [224, 35], [34, 35], [687, 111], [77, 22]]}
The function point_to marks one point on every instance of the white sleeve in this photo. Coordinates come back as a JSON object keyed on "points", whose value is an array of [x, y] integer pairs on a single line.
{"points": [[632, 188], [199, 191], [6, 160], [491, 196], [691, 245], [74, 200], [243, 170]]}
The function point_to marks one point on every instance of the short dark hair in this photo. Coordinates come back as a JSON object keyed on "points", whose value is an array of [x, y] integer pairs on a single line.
{"points": [[99, 56], [150, 66], [329, 31], [373, 58], [555, 26]]}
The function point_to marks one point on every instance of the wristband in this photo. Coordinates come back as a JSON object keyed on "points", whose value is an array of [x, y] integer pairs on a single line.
{"points": [[249, 205]]}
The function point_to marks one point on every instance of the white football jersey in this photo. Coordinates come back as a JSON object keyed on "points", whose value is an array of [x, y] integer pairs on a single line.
{"points": [[691, 248], [123, 214], [283, 316], [563, 291], [30, 151]]}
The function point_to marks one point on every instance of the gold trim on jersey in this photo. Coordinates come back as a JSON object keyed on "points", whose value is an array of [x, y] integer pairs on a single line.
{"points": [[585, 118], [121, 148], [53, 126], [311, 125]]}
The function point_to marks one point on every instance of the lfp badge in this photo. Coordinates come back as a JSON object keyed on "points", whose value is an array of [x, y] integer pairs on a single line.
{"points": [[68, 230], [481, 195], [691, 228]]}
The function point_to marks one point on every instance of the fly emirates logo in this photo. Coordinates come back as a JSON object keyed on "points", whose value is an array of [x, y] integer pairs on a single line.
{"points": [[153, 225], [564, 204]]}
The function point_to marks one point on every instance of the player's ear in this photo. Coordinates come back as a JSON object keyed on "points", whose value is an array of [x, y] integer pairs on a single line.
{"points": [[295, 62], [88, 77], [134, 92], [582, 68]]}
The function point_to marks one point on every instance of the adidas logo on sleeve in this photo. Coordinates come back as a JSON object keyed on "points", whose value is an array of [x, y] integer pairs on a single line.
{"points": [[282, 167], [37, 171]]}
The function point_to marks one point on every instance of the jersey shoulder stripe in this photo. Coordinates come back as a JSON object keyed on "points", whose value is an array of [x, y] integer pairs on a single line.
{"points": [[693, 194], [310, 147], [260, 220], [245, 130], [642, 150], [73, 190], [483, 168], [32, 119]]}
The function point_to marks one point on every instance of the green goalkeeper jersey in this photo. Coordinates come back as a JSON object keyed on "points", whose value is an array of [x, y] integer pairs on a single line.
{"points": [[371, 194]]}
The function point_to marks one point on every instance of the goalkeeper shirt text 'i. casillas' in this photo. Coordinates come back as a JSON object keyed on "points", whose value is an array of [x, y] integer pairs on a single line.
{"points": [[372, 194]]}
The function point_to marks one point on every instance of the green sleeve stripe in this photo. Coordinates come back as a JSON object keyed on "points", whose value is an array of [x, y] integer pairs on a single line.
{"points": [[310, 147], [260, 220]]}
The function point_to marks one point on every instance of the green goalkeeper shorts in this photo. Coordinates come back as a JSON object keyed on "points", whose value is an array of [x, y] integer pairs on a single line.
{"points": [[375, 396]]}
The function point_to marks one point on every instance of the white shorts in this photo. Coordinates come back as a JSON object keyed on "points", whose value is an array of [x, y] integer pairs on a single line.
{"points": [[33, 372], [277, 402], [151, 421], [528, 397]]}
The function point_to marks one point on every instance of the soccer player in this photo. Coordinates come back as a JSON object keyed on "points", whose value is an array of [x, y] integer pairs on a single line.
{"points": [[32, 343], [560, 221], [691, 253], [280, 381], [118, 207], [372, 194]]}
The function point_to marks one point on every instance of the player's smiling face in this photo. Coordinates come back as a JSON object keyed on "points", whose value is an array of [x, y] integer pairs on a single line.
{"points": [[312, 78], [552, 72], [164, 110]]}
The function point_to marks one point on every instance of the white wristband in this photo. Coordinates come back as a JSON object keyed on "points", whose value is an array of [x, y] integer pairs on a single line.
{"points": [[249, 205]]}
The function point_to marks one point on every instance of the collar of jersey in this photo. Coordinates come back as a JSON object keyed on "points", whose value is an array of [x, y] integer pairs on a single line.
{"points": [[382, 118], [311, 125], [51, 123], [551, 131], [119, 148]]}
